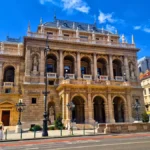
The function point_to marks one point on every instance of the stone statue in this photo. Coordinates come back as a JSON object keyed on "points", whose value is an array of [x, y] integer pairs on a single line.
{"points": [[35, 64], [51, 114], [132, 71]]}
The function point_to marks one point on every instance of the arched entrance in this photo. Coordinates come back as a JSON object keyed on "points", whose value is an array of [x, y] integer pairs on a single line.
{"points": [[119, 114], [101, 66], [51, 63], [99, 109], [9, 74], [117, 67], [78, 113]]}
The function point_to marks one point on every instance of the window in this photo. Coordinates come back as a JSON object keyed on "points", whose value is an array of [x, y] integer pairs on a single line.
{"points": [[97, 38], [99, 71], [67, 69], [66, 35], [149, 90], [7, 90], [33, 100], [84, 37], [83, 70], [50, 68], [50, 33], [140, 69], [51, 82]]}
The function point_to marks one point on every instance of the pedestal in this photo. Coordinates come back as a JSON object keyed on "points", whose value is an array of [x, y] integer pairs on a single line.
{"points": [[18, 128]]}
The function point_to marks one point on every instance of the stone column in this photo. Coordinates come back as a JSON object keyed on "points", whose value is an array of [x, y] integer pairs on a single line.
{"points": [[126, 67], [129, 106], [1, 74], [42, 66], [106, 112], [28, 63], [111, 68], [61, 64], [17, 75], [95, 67], [89, 112], [136, 70], [111, 111], [78, 66]]}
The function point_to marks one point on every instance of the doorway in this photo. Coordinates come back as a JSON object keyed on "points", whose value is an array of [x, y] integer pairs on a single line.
{"points": [[6, 117]]}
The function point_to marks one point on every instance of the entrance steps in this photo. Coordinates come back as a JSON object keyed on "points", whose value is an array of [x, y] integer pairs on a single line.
{"points": [[87, 126]]}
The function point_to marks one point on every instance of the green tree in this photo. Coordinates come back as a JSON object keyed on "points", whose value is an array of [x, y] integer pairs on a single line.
{"points": [[145, 117]]}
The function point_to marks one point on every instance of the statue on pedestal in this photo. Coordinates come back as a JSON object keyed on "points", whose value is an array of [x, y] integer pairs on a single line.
{"points": [[51, 114], [35, 65]]}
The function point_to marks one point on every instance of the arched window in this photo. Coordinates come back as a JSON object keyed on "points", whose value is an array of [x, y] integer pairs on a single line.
{"points": [[117, 70], [51, 63], [9, 74]]}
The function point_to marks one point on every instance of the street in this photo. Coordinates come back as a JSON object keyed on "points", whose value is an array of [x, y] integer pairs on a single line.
{"points": [[105, 142]]}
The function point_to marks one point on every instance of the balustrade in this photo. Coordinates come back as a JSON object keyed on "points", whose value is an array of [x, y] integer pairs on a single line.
{"points": [[51, 75], [8, 84]]}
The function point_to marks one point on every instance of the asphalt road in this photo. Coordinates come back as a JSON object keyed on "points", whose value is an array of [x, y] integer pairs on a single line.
{"points": [[111, 142]]}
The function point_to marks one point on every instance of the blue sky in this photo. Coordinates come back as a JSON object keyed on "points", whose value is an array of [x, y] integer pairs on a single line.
{"points": [[127, 16]]}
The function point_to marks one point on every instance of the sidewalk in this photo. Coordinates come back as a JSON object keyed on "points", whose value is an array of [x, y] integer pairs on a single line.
{"points": [[11, 135]]}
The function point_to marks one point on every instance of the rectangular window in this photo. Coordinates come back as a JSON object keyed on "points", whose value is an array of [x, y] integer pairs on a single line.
{"points": [[7, 90], [51, 82], [33, 100]]}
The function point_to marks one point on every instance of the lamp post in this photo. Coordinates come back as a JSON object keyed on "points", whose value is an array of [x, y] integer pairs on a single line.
{"points": [[137, 107], [44, 131], [124, 75], [71, 106], [20, 106]]}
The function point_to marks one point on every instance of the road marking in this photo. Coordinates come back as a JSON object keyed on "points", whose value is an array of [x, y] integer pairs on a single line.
{"points": [[102, 145]]}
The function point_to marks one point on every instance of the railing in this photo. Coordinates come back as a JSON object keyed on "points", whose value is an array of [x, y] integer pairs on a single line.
{"points": [[51, 75], [8, 84], [119, 78], [71, 76], [82, 40], [104, 78], [87, 77]]}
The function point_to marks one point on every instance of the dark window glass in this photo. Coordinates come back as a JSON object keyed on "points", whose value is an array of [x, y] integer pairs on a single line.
{"points": [[7, 90], [33, 100], [83, 70], [50, 68], [50, 33], [99, 71]]}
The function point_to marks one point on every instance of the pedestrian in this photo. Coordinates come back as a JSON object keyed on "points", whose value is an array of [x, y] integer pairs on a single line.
{"points": [[1, 132]]}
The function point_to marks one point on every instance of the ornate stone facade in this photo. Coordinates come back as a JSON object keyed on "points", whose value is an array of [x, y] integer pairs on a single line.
{"points": [[103, 75]]}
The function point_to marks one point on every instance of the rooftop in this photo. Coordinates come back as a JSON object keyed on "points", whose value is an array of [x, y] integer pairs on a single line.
{"points": [[65, 24]]}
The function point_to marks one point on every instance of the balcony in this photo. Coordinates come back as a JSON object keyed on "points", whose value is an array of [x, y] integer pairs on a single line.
{"points": [[8, 84], [82, 40], [119, 78], [87, 77], [103, 78], [51, 75], [71, 76]]}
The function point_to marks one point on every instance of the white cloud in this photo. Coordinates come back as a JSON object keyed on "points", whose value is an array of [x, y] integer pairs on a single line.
{"points": [[137, 27], [70, 5], [110, 28], [146, 30], [105, 17]]}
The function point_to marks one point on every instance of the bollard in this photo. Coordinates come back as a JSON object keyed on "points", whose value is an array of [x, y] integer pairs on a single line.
{"points": [[34, 133], [61, 131], [6, 134], [21, 134]]}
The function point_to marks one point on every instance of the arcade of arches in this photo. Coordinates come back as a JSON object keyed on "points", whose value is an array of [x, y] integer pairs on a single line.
{"points": [[100, 110]]}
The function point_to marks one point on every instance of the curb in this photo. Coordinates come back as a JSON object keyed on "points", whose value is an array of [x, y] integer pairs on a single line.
{"points": [[56, 137]]}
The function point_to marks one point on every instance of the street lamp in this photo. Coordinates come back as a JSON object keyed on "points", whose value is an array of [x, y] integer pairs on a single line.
{"points": [[71, 107], [137, 107], [20, 106], [44, 131], [124, 74]]}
